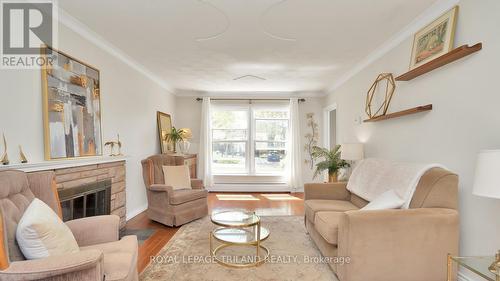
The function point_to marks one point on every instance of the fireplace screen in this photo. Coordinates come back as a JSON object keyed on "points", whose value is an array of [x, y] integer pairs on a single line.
{"points": [[86, 200]]}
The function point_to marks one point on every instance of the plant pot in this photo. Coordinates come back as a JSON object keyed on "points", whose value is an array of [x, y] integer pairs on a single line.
{"points": [[332, 177]]}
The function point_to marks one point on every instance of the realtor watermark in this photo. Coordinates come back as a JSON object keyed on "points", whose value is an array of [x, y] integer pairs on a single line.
{"points": [[26, 27], [273, 259]]}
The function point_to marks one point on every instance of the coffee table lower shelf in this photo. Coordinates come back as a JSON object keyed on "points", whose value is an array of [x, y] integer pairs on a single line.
{"points": [[238, 237]]}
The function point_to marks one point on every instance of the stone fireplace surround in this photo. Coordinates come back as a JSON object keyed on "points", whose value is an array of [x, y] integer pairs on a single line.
{"points": [[74, 173]]}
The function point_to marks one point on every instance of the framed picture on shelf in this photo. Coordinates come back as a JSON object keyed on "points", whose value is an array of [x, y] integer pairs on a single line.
{"points": [[71, 107], [434, 40], [164, 127]]}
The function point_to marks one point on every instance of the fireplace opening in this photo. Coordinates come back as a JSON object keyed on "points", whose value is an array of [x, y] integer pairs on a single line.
{"points": [[86, 200]]}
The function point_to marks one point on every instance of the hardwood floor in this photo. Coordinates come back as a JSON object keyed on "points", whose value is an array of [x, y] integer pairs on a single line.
{"points": [[264, 204]]}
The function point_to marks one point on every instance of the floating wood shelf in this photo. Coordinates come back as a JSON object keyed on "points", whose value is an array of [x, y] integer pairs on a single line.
{"points": [[401, 113], [445, 59]]}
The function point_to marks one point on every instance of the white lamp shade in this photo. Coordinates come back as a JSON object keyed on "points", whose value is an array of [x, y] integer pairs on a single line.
{"points": [[487, 178], [352, 151]]}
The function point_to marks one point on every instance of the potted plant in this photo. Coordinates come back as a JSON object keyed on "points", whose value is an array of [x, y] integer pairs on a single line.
{"points": [[175, 136], [330, 161]]}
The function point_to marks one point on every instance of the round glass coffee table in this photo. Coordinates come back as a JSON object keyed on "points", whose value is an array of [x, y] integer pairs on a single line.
{"points": [[238, 229]]}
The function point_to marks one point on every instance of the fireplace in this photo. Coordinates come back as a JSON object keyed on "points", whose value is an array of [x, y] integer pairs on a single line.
{"points": [[87, 200]]}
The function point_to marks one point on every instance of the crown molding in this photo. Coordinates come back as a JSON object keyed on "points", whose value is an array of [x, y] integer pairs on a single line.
{"points": [[430, 14], [253, 94], [83, 30]]}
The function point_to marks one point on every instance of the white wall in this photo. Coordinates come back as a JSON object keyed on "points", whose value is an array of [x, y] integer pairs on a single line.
{"points": [[129, 104], [465, 118], [188, 114]]}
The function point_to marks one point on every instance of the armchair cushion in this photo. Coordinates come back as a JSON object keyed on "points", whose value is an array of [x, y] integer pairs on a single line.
{"points": [[120, 262], [177, 177], [327, 225], [317, 205], [185, 195], [41, 233], [95, 230]]}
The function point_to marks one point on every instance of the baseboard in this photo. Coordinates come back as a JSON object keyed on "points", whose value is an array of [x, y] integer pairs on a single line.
{"points": [[133, 213], [463, 277], [250, 188]]}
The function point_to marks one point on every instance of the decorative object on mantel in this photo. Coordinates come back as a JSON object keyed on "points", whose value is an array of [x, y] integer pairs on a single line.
{"points": [[112, 144], [23, 158], [445, 59], [176, 136], [71, 107], [414, 110], [311, 139], [373, 93], [331, 162], [5, 157], [434, 40], [185, 144], [164, 122]]}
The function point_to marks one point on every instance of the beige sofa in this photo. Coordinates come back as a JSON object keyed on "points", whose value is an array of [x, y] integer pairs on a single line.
{"points": [[166, 205], [386, 245], [102, 254]]}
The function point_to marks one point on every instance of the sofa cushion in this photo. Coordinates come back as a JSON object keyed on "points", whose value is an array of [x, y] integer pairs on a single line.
{"points": [[327, 225], [185, 195], [120, 258], [316, 205]]}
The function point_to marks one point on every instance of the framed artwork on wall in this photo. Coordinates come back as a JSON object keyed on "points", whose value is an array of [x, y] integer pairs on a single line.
{"points": [[164, 127], [434, 40], [71, 107]]}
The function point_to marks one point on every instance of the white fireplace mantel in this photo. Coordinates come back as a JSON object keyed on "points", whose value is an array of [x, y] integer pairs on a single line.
{"points": [[61, 164]]}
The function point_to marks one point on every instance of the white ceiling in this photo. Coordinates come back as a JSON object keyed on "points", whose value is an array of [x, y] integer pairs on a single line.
{"points": [[242, 45]]}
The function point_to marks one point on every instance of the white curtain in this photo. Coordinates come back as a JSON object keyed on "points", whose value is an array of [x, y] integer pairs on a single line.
{"points": [[294, 159], [205, 170]]}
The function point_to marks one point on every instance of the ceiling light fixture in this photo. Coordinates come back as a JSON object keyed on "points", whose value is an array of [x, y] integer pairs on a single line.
{"points": [[277, 37], [228, 23], [249, 76]]}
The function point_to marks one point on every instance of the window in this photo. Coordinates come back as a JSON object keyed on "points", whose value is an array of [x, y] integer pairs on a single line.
{"points": [[249, 139], [230, 141]]}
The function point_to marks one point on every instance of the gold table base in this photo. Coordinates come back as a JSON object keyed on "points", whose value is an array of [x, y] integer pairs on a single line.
{"points": [[256, 243], [258, 259]]}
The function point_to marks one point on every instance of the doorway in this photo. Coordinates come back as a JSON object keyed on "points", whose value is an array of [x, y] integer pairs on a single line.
{"points": [[330, 126]]}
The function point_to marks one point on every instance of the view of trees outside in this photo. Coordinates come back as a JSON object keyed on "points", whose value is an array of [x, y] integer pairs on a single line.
{"points": [[229, 141], [231, 136], [271, 129]]}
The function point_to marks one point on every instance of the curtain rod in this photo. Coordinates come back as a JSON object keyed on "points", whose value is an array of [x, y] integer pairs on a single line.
{"points": [[300, 100]]}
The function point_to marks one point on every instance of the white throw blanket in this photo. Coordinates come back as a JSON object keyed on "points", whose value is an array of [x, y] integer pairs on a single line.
{"points": [[372, 177]]}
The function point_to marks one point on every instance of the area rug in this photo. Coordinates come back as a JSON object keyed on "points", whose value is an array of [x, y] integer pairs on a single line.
{"points": [[293, 255]]}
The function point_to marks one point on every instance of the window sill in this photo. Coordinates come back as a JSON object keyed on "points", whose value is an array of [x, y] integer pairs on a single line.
{"points": [[248, 179]]}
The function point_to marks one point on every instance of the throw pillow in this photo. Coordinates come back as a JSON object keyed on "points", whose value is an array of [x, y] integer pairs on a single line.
{"points": [[41, 233], [178, 177], [386, 200]]}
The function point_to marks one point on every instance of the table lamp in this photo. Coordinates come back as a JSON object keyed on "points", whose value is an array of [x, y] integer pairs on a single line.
{"points": [[487, 184]]}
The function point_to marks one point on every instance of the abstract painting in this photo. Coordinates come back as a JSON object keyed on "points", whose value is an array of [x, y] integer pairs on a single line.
{"points": [[435, 39], [71, 107]]}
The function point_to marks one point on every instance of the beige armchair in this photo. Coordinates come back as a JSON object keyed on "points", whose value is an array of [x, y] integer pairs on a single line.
{"points": [[101, 254], [386, 245], [166, 205]]}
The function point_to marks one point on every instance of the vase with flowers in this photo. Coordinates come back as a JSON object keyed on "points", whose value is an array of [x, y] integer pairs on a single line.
{"points": [[179, 136]]}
